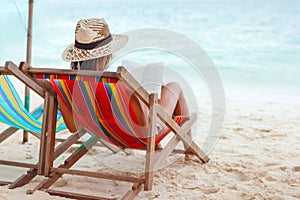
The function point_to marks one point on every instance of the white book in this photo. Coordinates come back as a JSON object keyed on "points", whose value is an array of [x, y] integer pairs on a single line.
{"points": [[150, 76]]}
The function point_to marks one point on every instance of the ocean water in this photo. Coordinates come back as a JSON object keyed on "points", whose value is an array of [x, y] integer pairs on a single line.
{"points": [[255, 45]]}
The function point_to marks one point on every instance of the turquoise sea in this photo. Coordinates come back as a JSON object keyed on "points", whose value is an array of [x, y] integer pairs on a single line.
{"points": [[255, 45]]}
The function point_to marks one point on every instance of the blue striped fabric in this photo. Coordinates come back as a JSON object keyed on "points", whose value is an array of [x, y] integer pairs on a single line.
{"points": [[13, 113]]}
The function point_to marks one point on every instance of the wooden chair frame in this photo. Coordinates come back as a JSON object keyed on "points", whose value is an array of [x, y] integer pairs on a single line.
{"points": [[27, 74], [37, 169]]}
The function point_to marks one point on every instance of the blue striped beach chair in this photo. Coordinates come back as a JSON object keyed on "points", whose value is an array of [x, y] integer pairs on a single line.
{"points": [[14, 114]]}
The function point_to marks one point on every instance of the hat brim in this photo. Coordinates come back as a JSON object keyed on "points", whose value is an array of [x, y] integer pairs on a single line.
{"points": [[73, 54]]}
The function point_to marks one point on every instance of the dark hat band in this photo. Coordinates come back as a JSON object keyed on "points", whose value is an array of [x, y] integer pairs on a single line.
{"points": [[94, 44]]}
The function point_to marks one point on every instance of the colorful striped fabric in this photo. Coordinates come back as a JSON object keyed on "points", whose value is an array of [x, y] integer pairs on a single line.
{"points": [[13, 113], [76, 78], [103, 108]]}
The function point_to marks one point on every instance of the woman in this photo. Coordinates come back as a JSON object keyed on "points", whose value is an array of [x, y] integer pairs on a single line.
{"points": [[92, 50]]}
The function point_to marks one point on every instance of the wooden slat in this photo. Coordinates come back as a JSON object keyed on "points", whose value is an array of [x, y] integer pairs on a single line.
{"points": [[68, 142], [79, 142], [17, 164], [72, 195], [97, 175], [24, 67], [101, 143], [2, 183], [7, 133], [4, 71], [70, 72], [25, 79]]}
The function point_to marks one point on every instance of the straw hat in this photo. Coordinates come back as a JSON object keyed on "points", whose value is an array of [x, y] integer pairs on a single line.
{"points": [[93, 40]]}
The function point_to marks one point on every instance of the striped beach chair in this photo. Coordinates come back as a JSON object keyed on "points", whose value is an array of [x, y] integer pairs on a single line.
{"points": [[14, 114], [98, 101]]}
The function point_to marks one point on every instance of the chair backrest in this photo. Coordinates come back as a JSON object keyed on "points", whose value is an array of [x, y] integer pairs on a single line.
{"points": [[103, 107], [13, 112]]}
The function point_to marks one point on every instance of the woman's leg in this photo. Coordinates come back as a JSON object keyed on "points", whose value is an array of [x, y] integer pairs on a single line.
{"points": [[173, 100]]}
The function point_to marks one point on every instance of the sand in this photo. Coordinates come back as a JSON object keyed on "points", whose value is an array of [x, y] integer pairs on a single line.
{"points": [[256, 157]]}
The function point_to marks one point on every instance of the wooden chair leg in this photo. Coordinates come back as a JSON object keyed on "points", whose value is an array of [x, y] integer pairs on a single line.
{"points": [[151, 144], [51, 130], [72, 195], [47, 142]]}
